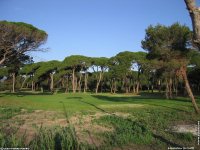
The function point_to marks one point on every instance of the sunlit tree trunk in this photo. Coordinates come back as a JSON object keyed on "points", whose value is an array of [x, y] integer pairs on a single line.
{"points": [[189, 91], [73, 80], [85, 82], [195, 17]]}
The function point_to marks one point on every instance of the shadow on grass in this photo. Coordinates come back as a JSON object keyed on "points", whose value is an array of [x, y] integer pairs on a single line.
{"points": [[22, 94], [102, 110], [162, 139], [153, 101]]}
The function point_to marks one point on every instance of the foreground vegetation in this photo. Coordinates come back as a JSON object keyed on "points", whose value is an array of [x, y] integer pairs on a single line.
{"points": [[88, 121]]}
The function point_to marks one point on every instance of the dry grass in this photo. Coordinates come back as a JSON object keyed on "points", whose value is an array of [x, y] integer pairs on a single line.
{"points": [[27, 124]]}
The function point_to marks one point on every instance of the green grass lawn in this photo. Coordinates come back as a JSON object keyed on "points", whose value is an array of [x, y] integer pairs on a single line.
{"points": [[125, 121]]}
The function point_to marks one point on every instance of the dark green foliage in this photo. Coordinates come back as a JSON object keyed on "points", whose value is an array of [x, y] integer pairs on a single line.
{"points": [[56, 138], [16, 38]]}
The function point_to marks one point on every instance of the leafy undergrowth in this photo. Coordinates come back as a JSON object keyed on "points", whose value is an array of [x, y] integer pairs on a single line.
{"points": [[125, 131], [8, 112]]}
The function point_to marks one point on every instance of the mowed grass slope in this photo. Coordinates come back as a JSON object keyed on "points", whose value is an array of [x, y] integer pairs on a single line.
{"points": [[91, 102], [95, 121]]}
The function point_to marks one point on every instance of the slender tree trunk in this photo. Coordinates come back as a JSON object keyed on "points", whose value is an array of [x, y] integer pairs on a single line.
{"points": [[195, 17], [79, 83], [75, 83], [189, 91], [138, 82], [85, 83], [137, 87], [23, 82], [98, 82], [32, 85], [73, 80], [67, 85], [13, 83]]}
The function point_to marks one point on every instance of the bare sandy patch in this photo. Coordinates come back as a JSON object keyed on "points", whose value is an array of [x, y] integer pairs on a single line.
{"points": [[86, 129], [185, 128]]}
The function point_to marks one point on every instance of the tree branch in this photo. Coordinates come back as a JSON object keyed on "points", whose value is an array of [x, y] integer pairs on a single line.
{"points": [[195, 17]]}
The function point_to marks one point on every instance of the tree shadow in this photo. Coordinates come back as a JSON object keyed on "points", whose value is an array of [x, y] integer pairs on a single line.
{"points": [[162, 139], [102, 110], [22, 94], [58, 141], [147, 100]]}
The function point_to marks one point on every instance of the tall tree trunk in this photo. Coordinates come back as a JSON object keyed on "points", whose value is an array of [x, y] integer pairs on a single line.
{"points": [[73, 80], [137, 87], [98, 82], [195, 17], [138, 81], [75, 83], [32, 86], [13, 82], [189, 91], [85, 82], [79, 83]]}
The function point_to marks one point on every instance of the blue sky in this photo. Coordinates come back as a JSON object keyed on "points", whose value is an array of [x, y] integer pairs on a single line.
{"points": [[93, 27]]}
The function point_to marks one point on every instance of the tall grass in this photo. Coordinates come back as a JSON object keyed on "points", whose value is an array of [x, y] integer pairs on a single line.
{"points": [[125, 131]]}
